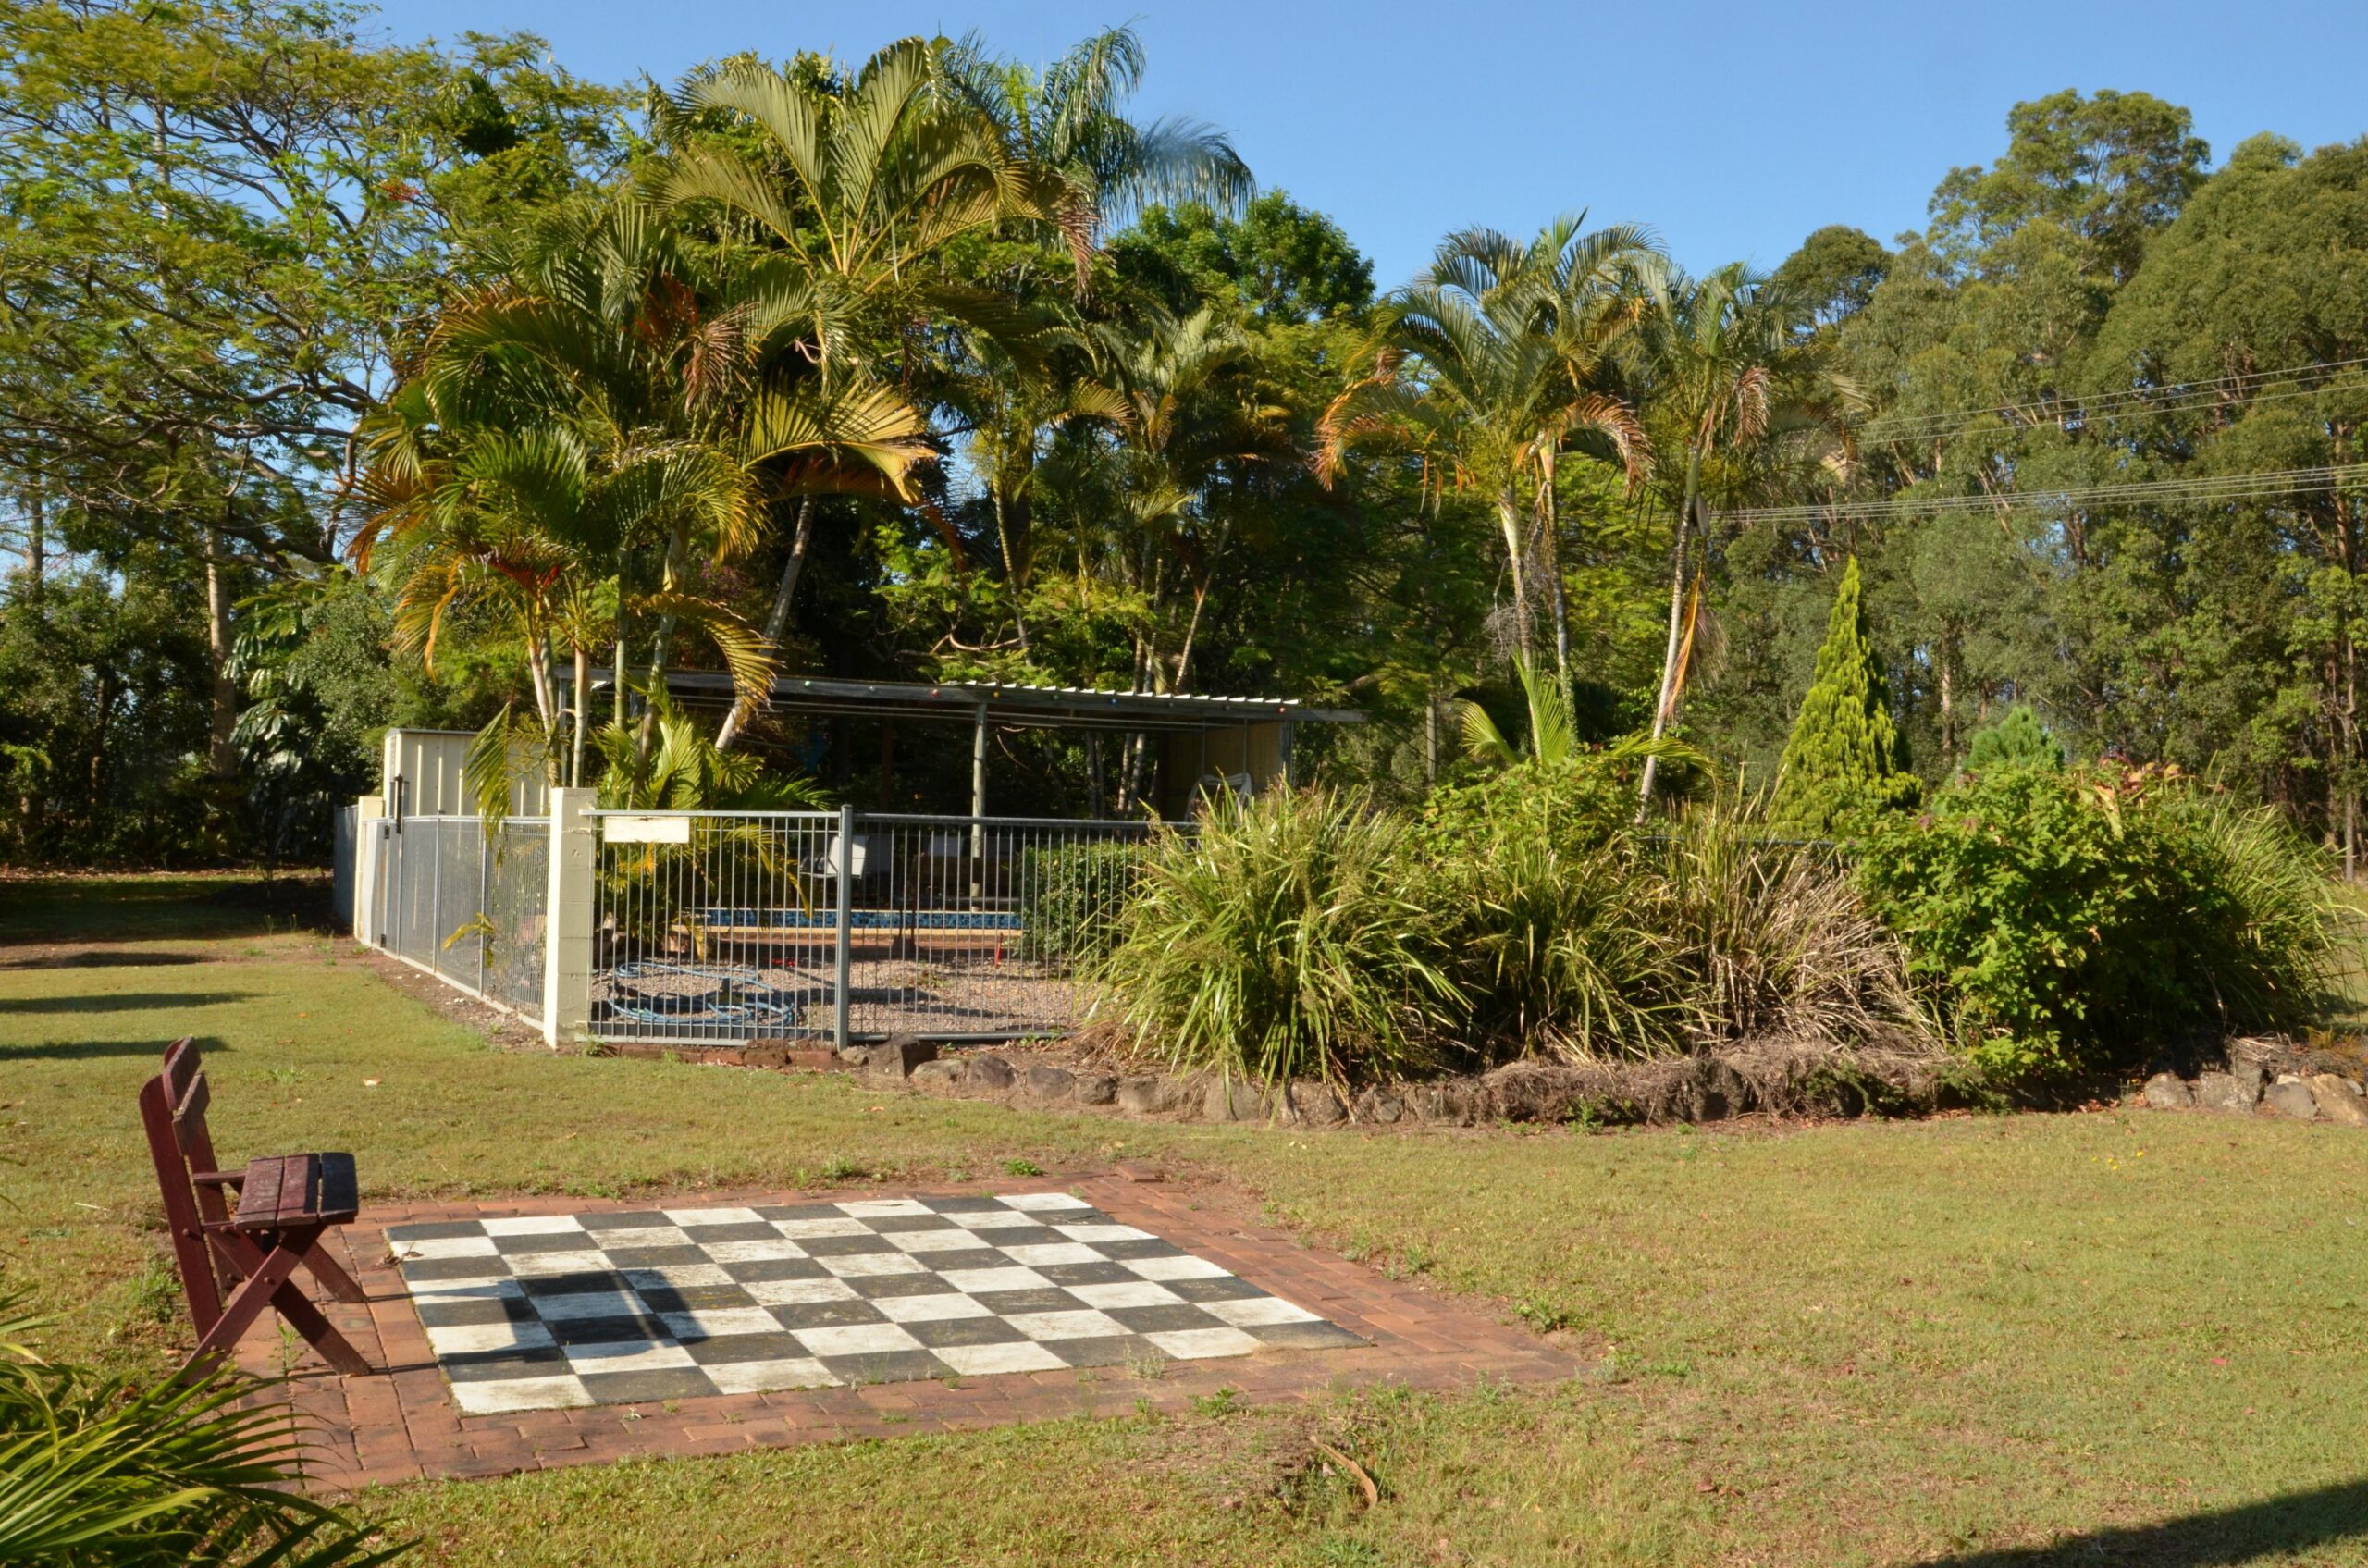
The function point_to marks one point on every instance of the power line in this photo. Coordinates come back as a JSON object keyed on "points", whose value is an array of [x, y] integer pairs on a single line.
{"points": [[2206, 488], [2248, 386]]}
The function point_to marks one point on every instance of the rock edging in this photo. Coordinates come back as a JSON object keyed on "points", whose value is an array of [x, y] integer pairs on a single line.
{"points": [[2247, 1088]]}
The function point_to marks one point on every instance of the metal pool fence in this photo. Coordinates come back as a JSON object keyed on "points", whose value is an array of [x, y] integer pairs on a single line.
{"points": [[731, 926], [465, 905]]}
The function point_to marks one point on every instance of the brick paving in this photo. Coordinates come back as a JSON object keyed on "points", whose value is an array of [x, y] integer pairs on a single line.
{"points": [[403, 1424]]}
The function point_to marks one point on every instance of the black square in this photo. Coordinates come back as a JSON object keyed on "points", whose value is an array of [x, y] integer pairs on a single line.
{"points": [[1008, 1302], [1149, 1247], [460, 1312], [873, 1287], [623, 1330], [437, 1230], [590, 1283], [775, 1268], [1114, 1350], [628, 1219], [544, 1241], [886, 1367], [1088, 1273], [654, 1257], [965, 1331], [1217, 1288], [754, 1231], [966, 1204], [896, 1224], [1303, 1336], [721, 1349], [825, 1314], [502, 1366], [648, 1388], [1022, 1236], [844, 1246], [694, 1297], [797, 1211], [1165, 1318], [427, 1270]]}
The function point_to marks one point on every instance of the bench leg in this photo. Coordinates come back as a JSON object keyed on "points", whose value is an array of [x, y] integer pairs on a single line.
{"points": [[319, 1332], [239, 1313], [332, 1275], [268, 1284]]}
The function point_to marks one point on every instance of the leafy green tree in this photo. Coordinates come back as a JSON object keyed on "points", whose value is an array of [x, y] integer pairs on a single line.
{"points": [[1835, 273], [1278, 259], [2018, 740], [1845, 756]]}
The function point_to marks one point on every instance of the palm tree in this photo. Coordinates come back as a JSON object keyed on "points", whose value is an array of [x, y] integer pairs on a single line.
{"points": [[1730, 387], [1067, 120], [1492, 363], [1553, 739]]}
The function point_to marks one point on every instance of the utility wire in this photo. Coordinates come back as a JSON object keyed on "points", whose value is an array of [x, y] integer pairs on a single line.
{"points": [[2079, 408], [2206, 488]]}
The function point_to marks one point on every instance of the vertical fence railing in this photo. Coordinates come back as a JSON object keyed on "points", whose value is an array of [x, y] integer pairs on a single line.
{"points": [[463, 904], [724, 926]]}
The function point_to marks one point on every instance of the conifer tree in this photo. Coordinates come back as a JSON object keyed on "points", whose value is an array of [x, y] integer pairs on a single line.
{"points": [[1846, 755], [2018, 740]]}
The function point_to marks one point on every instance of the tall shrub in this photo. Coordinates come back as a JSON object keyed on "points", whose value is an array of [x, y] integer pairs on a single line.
{"points": [[1280, 940], [1846, 755], [2018, 740]]}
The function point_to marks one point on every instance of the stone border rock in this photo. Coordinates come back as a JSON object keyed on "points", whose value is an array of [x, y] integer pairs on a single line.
{"points": [[2246, 1087]]}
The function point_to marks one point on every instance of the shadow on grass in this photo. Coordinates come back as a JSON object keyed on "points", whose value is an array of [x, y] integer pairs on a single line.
{"points": [[2274, 1527], [123, 1001], [102, 959], [95, 1050]]}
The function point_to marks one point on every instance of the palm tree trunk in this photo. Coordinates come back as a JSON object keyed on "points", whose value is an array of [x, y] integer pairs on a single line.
{"points": [[1012, 574], [777, 618], [1551, 529], [221, 751], [1508, 519], [660, 645], [1662, 706], [583, 696]]}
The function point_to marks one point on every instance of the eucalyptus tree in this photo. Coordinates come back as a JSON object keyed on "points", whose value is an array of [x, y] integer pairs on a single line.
{"points": [[1736, 395], [1490, 365]]}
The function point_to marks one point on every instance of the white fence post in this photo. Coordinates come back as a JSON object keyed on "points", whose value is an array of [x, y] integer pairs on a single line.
{"points": [[567, 917], [370, 809]]}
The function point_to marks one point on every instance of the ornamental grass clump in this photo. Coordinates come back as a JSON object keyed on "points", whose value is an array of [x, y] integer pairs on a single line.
{"points": [[1280, 940]]}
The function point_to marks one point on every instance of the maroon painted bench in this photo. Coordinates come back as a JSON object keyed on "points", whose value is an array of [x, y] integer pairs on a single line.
{"points": [[286, 1204]]}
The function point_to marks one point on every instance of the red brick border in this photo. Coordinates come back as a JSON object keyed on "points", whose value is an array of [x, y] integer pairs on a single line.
{"points": [[403, 1426]]}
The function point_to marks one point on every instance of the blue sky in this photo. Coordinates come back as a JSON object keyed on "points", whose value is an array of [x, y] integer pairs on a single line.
{"points": [[1733, 130]]}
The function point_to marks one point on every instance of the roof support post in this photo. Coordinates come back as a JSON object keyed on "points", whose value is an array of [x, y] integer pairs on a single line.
{"points": [[978, 801]]}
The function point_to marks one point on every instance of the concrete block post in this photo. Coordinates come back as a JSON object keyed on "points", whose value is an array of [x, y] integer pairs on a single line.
{"points": [[567, 917], [370, 811]]}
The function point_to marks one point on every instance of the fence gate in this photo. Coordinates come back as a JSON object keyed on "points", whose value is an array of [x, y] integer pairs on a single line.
{"points": [[725, 926], [464, 904]]}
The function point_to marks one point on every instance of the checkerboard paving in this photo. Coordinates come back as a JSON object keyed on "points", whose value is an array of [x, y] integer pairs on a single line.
{"points": [[565, 1310]]}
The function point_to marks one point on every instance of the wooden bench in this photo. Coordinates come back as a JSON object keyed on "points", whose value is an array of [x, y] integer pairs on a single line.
{"points": [[286, 1204]]}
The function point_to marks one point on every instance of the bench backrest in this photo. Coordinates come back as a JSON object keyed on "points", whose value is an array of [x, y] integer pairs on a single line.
{"points": [[172, 1110]]}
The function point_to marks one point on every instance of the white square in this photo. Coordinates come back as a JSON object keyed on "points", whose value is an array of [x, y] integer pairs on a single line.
{"points": [[835, 1226], [467, 1339], [860, 1338], [1131, 1293], [532, 1225], [1199, 1344], [628, 1355], [1038, 1202], [764, 1377], [981, 1361], [1185, 1267], [875, 1208], [587, 1304], [978, 1280], [715, 1323], [753, 1252], [1105, 1233], [644, 1236], [1066, 1325], [857, 1265], [714, 1217], [788, 1292], [674, 1276], [993, 1219], [929, 1309], [1258, 1309], [1039, 1254], [542, 1265], [935, 1240], [446, 1247], [562, 1392]]}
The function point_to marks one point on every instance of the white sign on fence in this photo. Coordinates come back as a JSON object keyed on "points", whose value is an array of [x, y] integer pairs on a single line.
{"points": [[646, 829]]}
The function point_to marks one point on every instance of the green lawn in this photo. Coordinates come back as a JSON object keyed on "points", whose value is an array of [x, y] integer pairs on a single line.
{"points": [[2134, 1338]]}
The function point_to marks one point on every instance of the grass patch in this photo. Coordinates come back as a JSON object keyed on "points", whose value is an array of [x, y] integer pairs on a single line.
{"points": [[1857, 1344]]}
